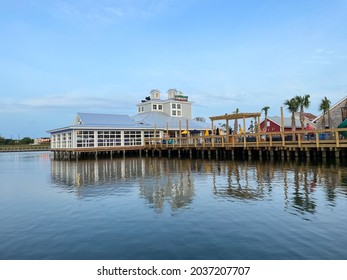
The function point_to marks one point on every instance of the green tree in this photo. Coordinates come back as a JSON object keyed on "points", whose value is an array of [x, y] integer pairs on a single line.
{"points": [[303, 102], [9, 141], [293, 107], [265, 109], [325, 107], [26, 140], [2, 140]]}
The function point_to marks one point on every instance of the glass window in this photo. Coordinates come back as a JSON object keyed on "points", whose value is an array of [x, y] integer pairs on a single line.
{"points": [[85, 138]]}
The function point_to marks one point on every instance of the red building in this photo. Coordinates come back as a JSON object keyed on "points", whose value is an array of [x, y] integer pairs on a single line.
{"points": [[274, 124]]}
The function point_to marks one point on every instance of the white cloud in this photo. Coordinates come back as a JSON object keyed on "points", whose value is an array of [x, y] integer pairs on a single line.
{"points": [[73, 101]]}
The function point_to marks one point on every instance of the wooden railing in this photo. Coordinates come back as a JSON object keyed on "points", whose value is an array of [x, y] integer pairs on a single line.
{"points": [[324, 138]]}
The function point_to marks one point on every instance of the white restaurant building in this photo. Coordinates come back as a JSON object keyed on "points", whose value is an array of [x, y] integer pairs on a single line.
{"points": [[155, 118]]}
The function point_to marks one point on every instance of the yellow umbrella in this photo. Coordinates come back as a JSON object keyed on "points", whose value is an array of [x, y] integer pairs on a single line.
{"points": [[206, 132], [184, 132]]}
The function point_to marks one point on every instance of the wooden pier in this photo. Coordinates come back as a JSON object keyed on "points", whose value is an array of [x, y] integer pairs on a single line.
{"points": [[24, 148], [317, 144]]}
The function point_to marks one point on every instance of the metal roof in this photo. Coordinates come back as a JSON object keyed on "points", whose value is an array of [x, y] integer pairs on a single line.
{"points": [[141, 121], [161, 120], [104, 119], [287, 121]]}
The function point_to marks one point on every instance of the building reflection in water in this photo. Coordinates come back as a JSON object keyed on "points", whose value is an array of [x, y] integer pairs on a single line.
{"points": [[158, 180], [171, 181]]}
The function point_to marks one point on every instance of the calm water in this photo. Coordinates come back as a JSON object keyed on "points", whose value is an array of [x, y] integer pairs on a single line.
{"points": [[152, 208]]}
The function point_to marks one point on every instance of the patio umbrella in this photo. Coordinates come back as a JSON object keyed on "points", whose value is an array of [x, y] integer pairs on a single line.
{"points": [[206, 132], [343, 125]]}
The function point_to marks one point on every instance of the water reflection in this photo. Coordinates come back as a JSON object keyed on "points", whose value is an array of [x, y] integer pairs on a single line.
{"points": [[299, 186]]}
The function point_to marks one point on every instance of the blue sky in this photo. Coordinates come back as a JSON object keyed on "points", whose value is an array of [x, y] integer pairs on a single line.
{"points": [[61, 57]]}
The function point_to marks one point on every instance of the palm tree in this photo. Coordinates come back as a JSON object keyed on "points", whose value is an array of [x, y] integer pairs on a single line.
{"points": [[265, 109], [303, 102], [293, 107], [325, 107], [236, 126]]}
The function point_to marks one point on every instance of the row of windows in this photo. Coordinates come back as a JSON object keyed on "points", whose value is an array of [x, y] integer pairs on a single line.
{"points": [[159, 107], [63, 140], [88, 138]]}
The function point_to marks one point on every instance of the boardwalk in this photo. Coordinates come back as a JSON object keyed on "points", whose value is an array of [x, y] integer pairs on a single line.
{"points": [[318, 143], [24, 148]]}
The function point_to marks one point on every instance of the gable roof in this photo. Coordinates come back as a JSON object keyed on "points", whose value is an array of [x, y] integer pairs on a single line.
{"points": [[310, 116]]}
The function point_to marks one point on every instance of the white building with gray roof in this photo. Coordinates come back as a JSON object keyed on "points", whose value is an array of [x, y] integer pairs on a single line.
{"points": [[155, 118]]}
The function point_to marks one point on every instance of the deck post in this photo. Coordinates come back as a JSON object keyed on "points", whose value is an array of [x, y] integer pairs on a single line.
{"points": [[324, 154], [272, 153], [337, 153], [282, 128], [337, 139], [179, 153], [296, 153], [190, 153]]}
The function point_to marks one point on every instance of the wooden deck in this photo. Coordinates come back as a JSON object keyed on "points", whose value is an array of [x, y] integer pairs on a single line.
{"points": [[322, 143]]}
